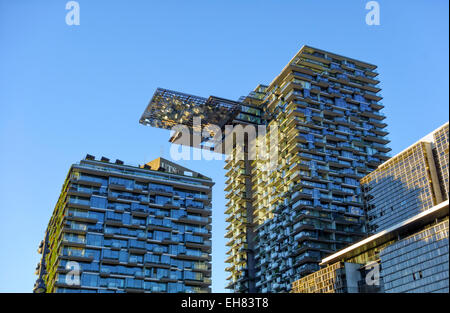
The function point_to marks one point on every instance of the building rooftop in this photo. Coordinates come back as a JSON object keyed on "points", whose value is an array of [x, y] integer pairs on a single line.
{"points": [[160, 165], [310, 50]]}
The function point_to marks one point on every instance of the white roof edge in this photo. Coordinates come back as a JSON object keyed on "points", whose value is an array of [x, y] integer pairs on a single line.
{"points": [[386, 231]]}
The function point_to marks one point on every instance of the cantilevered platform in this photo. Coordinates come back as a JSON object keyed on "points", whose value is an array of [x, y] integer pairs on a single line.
{"points": [[168, 108]]}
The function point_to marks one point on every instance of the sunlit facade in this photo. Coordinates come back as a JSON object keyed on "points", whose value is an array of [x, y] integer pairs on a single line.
{"points": [[409, 257], [129, 229], [440, 140], [414, 180], [322, 281], [408, 215]]}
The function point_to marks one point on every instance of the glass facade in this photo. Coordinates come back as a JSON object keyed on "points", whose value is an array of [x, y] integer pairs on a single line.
{"points": [[400, 188], [411, 257], [407, 211], [418, 263], [440, 138], [322, 281], [409, 183], [130, 229]]}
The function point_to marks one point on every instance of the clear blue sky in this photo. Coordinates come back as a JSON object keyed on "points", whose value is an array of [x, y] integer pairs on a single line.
{"points": [[70, 90]]}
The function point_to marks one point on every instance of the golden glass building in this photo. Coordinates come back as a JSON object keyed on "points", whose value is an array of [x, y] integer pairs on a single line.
{"points": [[407, 206], [440, 140], [412, 181], [409, 257]]}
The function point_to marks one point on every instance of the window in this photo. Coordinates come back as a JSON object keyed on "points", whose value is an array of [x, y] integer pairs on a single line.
{"points": [[161, 200], [74, 238], [98, 202], [127, 183], [94, 240], [134, 258], [89, 280]]}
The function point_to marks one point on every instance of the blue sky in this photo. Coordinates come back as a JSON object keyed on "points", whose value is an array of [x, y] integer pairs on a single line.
{"points": [[70, 90]]}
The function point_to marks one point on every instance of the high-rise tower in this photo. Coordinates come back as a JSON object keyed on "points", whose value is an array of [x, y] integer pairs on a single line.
{"points": [[288, 211], [120, 228]]}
